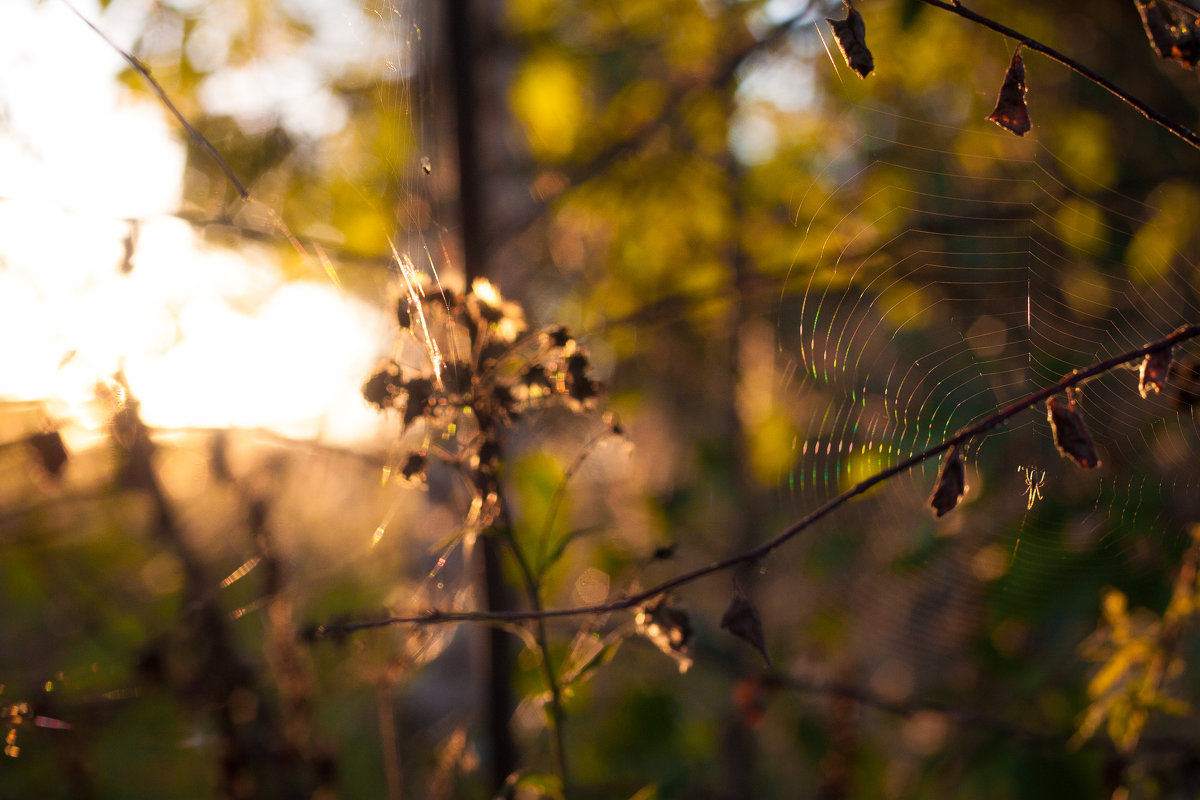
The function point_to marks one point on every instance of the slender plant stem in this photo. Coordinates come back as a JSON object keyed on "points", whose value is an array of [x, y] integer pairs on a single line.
{"points": [[557, 715], [954, 7], [387, 741], [997, 418]]}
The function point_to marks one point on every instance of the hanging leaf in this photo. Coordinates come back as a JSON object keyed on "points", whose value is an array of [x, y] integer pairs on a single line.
{"points": [[851, 36], [1010, 111], [951, 483], [669, 627], [1155, 369], [1071, 436], [742, 620], [1173, 30]]}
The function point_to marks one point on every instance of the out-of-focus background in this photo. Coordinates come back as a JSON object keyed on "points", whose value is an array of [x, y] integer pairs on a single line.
{"points": [[786, 277]]}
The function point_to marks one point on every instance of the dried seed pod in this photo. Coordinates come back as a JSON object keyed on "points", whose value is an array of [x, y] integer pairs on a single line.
{"points": [[742, 620], [1071, 436], [951, 483], [383, 385], [851, 36], [413, 469], [1155, 369], [557, 336], [1010, 111], [418, 398]]}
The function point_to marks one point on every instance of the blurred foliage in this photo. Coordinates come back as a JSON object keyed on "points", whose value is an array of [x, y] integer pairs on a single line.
{"points": [[676, 182]]}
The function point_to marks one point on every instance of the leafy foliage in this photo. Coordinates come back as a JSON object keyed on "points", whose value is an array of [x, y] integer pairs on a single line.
{"points": [[1139, 659]]}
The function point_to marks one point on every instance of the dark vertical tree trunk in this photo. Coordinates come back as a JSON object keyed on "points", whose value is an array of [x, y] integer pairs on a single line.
{"points": [[496, 668], [472, 226], [739, 749]]}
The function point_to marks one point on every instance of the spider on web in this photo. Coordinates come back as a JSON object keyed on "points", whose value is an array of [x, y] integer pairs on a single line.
{"points": [[1033, 485]]}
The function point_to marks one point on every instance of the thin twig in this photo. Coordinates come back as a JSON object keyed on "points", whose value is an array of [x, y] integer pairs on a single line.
{"points": [[557, 715], [144, 71], [1075, 378], [1149, 113]]}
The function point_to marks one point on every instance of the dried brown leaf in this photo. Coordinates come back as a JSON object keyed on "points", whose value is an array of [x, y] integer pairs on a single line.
{"points": [[1173, 30], [1155, 369], [742, 620], [1010, 111], [1071, 436], [851, 36], [951, 483]]}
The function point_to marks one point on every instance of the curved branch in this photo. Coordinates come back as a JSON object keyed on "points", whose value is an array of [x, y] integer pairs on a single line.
{"points": [[954, 7], [997, 418]]}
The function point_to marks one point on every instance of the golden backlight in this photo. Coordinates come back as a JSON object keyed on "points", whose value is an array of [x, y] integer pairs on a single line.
{"points": [[98, 278]]}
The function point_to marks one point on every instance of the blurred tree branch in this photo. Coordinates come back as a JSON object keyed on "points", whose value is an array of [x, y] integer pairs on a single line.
{"points": [[720, 78], [1183, 132]]}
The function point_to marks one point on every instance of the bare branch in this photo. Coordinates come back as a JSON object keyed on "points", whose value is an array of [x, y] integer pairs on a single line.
{"points": [[954, 7], [994, 420]]}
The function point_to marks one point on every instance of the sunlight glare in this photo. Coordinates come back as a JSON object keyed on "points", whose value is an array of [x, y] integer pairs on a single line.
{"points": [[206, 337]]}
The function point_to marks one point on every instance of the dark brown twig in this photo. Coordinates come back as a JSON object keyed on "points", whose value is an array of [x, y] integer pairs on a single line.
{"points": [[1149, 113], [1075, 378]]}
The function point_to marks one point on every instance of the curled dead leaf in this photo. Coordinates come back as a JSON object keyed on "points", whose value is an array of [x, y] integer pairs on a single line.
{"points": [[851, 36], [1010, 111], [1071, 436], [742, 620], [951, 483], [1173, 30], [1155, 369]]}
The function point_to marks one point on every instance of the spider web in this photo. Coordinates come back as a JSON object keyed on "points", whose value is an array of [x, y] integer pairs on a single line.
{"points": [[945, 273]]}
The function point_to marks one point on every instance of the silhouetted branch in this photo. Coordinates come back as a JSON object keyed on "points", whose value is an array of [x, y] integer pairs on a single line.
{"points": [[557, 716], [1075, 378], [954, 7]]}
